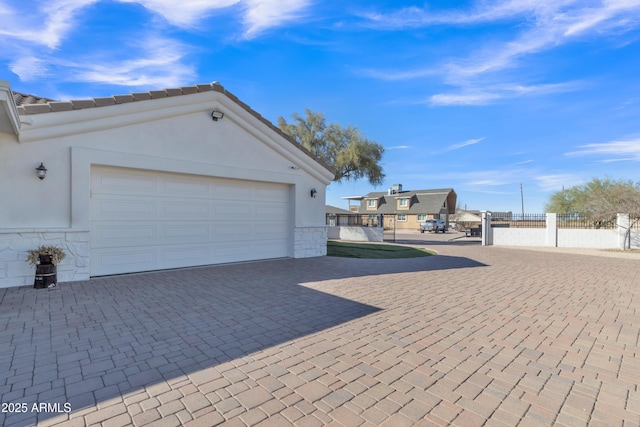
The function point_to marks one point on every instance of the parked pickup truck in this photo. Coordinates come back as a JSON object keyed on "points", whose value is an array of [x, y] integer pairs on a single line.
{"points": [[433, 225]]}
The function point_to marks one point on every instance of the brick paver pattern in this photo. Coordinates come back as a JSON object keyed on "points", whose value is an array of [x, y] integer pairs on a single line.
{"points": [[474, 336]]}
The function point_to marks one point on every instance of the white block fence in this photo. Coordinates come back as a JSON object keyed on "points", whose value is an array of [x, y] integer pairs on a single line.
{"points": [[552, 236]]}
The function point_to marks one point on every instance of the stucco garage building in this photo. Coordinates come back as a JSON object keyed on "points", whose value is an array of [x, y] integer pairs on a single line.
{"points": [[151, 181]]}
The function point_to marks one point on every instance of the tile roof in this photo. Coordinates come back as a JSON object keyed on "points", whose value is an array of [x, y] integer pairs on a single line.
{"points": [[30, 104], [22, 99]]}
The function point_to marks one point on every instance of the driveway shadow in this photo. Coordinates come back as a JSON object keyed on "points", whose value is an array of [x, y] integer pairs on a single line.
{"points": [[87, 342]]}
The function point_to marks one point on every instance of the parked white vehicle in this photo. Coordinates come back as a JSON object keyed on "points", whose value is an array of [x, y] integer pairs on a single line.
{"points": [[433, 225]]}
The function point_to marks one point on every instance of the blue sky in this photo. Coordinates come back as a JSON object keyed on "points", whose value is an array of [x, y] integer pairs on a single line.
{"points": [[481, 96]]}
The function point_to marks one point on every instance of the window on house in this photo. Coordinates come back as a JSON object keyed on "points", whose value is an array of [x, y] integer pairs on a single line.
{"points": [[422, 217], [402, 217], [371, 203], [404, 202]]}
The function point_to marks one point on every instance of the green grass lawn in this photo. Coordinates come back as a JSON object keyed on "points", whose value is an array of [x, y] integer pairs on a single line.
{"points": [[376, 251]]}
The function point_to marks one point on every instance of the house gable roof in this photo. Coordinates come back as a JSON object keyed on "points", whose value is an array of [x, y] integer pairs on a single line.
{"points": [[422, 201], [29, 105]]}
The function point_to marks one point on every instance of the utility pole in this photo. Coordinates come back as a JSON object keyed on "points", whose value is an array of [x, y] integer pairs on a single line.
{"points": [[522, 200]]}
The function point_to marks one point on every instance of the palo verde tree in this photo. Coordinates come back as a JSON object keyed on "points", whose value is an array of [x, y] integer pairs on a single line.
{"points": [[346, 150], [599, 200]]}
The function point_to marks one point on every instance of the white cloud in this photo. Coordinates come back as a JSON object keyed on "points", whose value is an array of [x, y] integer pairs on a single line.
{"points": [[464, 144], [493, 177], [554, 182], [50, 24], [258, 15], [504, 179], [46, 25], [514, 176], [398, 75], [183, 13], [524, 162], [397, 147], [546, 21], [618, 150], [491, 93], [482, 12], [541, 25], [543, 89], [261, 15], [157, 61], [629, 102], [463, 98], [29, 68], [159, 64]]}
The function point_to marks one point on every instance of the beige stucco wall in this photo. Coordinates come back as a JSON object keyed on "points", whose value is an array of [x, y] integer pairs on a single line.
{"points": [[412, 222]]}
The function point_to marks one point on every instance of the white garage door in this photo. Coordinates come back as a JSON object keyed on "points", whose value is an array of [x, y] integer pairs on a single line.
{"points": [[143, 220]]}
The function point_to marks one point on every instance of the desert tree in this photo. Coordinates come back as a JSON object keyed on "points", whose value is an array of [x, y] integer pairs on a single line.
{"points": [[599, 201], [344, 149]]}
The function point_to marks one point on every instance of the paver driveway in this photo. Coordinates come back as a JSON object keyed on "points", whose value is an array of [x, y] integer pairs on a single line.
{"points": [[473, 336]]}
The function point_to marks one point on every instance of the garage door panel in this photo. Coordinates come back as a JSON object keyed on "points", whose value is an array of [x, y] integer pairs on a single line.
{"points": [[144, 220], [270, 211], [186, 255], [232, 190], [232, 251], [264, 248], [109, 235], [267, 193], [123, 182], [141, 259], [225, 211], [267, 230], [123, 208], [230, 231], [186, 188], [184, 233], [185, 210]]}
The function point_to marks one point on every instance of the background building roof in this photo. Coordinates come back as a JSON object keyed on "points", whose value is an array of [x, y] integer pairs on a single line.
{"points": [[421, 201], [336, 210]]}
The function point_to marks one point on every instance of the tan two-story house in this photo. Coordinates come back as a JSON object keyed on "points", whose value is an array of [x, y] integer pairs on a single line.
{"points": [[408, 209]]}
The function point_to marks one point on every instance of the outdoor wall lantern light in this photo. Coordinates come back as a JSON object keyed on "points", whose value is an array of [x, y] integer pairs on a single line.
{"points": [[41, 171], [216, 115], [313, 193]]}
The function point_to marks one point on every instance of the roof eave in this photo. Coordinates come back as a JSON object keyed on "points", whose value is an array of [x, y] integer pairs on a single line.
{"points": [[90, 105], [9, 117]]}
